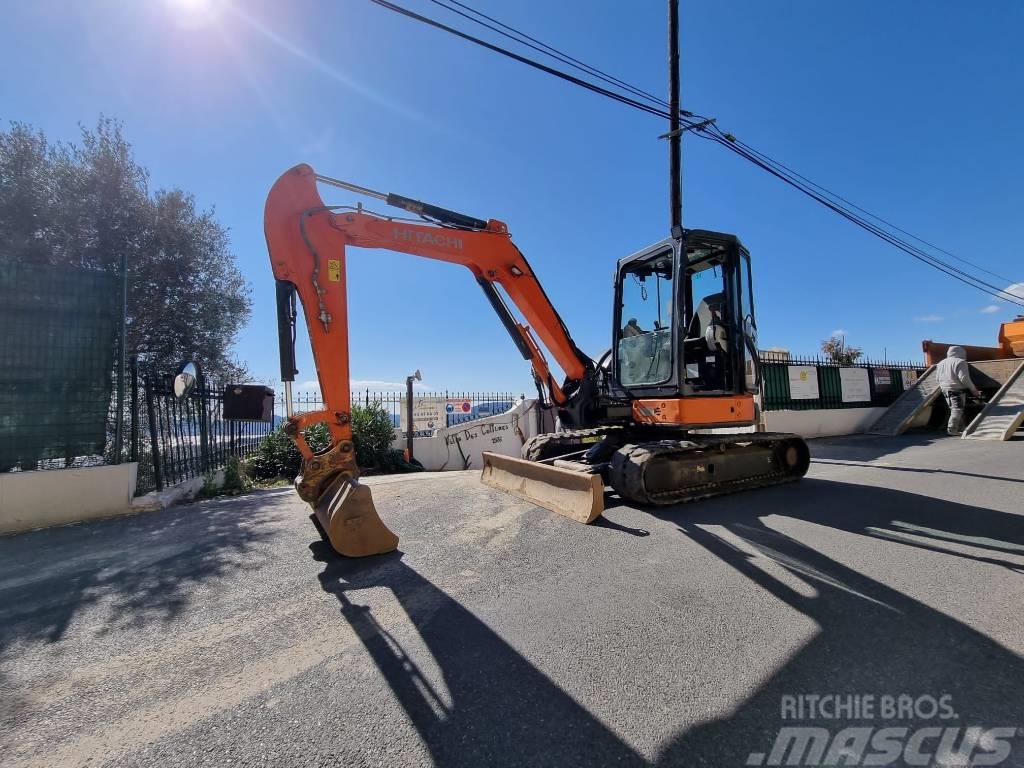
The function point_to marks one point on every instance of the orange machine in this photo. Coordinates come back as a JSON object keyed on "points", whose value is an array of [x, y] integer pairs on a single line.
{"points": [[683, 357], [1011, 344], [1011, 337]]}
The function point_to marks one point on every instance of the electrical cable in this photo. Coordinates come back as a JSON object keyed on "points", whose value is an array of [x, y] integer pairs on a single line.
{"points": [[875, 216], [903, 245], [541, 47], [532, 42], [582, 66], [706, 129], [521, 59], [514, 34]]}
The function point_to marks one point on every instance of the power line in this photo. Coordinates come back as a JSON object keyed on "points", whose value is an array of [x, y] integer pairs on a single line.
{"points": [[888, 236], [521, 59], [542, 47], [705, 128], [875, 216], [917, 253]]}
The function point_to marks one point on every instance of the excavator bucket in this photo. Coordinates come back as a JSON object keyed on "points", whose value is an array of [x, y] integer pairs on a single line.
{"points": [[576, 495], [347, 516]]}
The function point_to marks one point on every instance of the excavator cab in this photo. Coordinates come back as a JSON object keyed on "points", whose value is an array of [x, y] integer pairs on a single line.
{"points": [[683, 321]]}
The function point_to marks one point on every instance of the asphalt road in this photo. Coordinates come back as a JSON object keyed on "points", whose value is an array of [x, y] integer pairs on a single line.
{"points": [[225, 632]]}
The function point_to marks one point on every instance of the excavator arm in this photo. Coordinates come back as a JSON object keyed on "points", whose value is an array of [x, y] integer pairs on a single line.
{"points": [[307, 243]]}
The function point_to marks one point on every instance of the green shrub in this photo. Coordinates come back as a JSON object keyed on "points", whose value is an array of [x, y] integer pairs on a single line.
{"points": [[210, 488], [317, 437], [372, 432], [235, 479], [393, 461], [276, 457]]}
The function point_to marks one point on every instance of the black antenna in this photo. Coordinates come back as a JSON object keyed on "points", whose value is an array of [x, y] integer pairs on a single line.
{"points": [[675, 135]]}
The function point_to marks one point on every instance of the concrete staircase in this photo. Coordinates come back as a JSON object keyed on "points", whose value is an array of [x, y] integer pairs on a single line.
{"points": [[1004, 413], [899, 415]]}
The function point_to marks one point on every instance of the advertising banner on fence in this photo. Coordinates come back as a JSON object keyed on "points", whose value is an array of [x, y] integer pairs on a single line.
{"points": [[427, 413], [803, 382], [855, 385], [909, 378]]}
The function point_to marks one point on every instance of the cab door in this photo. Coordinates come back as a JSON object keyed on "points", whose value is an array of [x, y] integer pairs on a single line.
{"points": [[645, 337], [711, 315], [749, 361]]}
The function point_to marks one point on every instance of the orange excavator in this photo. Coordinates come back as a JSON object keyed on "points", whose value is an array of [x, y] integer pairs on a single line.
{"points": [[655, 417]]}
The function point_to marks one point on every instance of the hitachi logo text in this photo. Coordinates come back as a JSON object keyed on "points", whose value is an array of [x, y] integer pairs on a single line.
{"points": [[428, 238]]}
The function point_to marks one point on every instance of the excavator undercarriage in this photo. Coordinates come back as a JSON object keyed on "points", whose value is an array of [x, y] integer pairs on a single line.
{"points": [[650, 471]]}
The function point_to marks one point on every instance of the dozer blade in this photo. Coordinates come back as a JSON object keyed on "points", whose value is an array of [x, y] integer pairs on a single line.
{"points": [[346, 514], [577, 495]]}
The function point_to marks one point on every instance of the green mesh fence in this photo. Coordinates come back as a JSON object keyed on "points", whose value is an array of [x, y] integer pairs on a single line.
{"points": [[58, 337], [884, 380]]}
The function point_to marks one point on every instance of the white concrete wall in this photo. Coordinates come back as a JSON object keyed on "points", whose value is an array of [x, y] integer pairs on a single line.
{"points": [[172, 494], [57, 496], [459, 447], [827, 422]]}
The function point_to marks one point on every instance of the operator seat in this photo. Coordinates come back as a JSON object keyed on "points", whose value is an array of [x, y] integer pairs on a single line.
{"points": [[708, 311], [710, 362]]}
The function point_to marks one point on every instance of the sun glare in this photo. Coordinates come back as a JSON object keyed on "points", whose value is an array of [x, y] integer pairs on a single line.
{"points": [[196, 13]]}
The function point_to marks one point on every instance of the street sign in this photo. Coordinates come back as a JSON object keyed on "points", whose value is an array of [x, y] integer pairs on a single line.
{"points": [[458, 407]]}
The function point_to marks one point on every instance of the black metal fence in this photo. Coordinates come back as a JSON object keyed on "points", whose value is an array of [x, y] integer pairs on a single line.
{"points": [[481, 404], [811, 383], [187, 437]]}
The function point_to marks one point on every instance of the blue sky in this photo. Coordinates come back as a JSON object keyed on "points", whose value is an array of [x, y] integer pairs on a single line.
{"points": [[910, 109]]}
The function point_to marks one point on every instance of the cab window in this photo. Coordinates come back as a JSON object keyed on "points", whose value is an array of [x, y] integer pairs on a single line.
{"points": [[706, 345], [644, 346]]}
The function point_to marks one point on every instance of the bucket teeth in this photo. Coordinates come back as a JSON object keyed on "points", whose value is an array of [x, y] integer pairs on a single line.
{"points": [[347, 515], [576, 495]]}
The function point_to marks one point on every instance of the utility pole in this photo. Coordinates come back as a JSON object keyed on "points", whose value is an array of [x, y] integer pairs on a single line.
{"points": [[409, 429], [675, 136]]}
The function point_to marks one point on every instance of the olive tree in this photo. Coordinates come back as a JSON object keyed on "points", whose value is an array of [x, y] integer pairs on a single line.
{"points": [[89, 204]]}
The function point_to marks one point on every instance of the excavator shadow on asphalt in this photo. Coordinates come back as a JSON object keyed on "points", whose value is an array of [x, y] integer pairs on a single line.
{"points": [[872, 638], [504, 710]]}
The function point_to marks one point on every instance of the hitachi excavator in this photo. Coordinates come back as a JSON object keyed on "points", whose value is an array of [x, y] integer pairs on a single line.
{"points": [[651, 417]]}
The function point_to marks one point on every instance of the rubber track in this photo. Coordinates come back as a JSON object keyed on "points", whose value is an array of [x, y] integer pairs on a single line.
{"points": [[629, 464], [540, 447]]}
